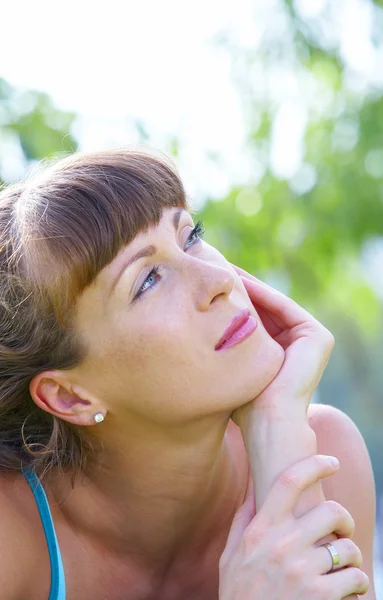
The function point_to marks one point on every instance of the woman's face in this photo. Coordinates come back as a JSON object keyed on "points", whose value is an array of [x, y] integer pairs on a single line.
{"points": [[153, 355]]}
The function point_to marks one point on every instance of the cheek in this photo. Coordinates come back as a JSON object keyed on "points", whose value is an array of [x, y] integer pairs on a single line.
{"points": [[146, 372], [154, 338]]}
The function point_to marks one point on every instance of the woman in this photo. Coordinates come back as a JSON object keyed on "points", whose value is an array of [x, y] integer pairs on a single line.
{"points": [[120, 372]]}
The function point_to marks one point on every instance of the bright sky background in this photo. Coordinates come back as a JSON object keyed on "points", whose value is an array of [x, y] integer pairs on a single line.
{"points": [[156, 61], [149, 60]]}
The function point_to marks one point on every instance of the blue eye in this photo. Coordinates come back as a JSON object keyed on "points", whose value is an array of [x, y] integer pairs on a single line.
{"points": [[197, 231], [153, 273], [195, 236]]}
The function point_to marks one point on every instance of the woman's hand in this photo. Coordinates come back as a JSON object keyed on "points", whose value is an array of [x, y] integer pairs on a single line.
{"points": [[306, 342], [274, 425], [273, 555]]}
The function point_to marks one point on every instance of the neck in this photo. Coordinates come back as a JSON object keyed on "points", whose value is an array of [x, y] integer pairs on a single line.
{"points": [[160, 496]]}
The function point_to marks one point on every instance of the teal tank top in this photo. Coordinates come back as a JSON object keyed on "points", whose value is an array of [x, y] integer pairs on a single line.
{"points": [[57, 591]]}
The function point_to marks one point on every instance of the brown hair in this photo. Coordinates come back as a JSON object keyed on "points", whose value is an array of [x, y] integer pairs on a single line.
{"points": [[57, 231]]}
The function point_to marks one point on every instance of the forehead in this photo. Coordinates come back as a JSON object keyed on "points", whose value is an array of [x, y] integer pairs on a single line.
{"points": [[133, 251], [138, 248], [95, 296]]}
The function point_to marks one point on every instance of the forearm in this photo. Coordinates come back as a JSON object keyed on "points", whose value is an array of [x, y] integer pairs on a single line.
{"points": [[274, 441]]}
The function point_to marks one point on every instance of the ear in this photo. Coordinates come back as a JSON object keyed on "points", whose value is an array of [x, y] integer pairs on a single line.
{"points": [[54, 392]]}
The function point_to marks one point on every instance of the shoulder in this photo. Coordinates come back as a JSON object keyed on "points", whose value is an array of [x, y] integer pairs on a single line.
{"points": [[337, 434], [353, 485], [23, 551]]}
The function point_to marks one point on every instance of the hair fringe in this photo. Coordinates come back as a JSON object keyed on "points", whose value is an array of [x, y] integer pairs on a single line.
{"points": [[47, 258]]}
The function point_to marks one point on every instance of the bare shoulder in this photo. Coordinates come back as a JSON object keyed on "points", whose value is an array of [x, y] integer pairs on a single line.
{"points": [[353, 485], [337, 434], [24, 566]]}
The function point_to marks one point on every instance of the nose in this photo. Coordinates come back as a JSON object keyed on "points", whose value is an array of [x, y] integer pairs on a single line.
{"points": [[212, 281]]}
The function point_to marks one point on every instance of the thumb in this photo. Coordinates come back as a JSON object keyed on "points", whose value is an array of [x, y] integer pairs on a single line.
{"points": [[242, 519]]}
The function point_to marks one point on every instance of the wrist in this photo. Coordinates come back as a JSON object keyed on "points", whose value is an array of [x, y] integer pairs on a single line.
{"points": [[273, 445], [282, 440], [265, 417]]}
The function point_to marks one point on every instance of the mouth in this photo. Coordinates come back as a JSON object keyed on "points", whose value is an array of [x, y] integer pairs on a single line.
{"points": [[238, 330]]}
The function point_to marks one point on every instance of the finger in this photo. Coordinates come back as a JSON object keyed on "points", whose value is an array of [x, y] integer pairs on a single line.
{"points": [[244, 273], [328, 517], [316, 339], [275, 303], [284, 310], [241, 521], [348, 553], [248, 277], [275, 321], [268, 322], [348, 581], [282, 499]]}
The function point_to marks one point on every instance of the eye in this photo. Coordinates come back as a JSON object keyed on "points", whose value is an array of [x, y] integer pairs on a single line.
{"points": [[195, 236], [152, 274], [198, 231]]}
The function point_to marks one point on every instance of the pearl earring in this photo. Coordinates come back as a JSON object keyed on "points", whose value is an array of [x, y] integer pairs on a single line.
{"points": [[98, 417]]}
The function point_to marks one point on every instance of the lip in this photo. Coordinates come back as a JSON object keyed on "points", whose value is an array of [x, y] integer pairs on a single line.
{"points": [[242, 318]]}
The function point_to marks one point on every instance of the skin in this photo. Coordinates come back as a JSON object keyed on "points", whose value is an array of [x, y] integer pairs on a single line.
{"points": [[337, 435], [279, 427], [170, 464], [159, 503]]}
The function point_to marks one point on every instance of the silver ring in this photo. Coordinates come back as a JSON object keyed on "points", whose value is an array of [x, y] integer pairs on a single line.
{"points": [[334, 555]]}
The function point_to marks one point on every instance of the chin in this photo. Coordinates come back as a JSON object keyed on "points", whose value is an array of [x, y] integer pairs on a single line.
{"points": [[268, 372], [267, 369], [275, 362], [256, 375]]}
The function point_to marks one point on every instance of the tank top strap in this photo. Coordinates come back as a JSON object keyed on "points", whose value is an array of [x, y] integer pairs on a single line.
{"points": [[57, 591]]}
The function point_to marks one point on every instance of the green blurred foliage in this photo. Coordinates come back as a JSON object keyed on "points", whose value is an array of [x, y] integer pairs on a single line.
{"points": [[314, 238], [31, 128], [306, 234]]}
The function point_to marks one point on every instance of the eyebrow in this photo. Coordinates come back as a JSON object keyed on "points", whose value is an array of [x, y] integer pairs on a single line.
{"points": [[144, 252]]}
